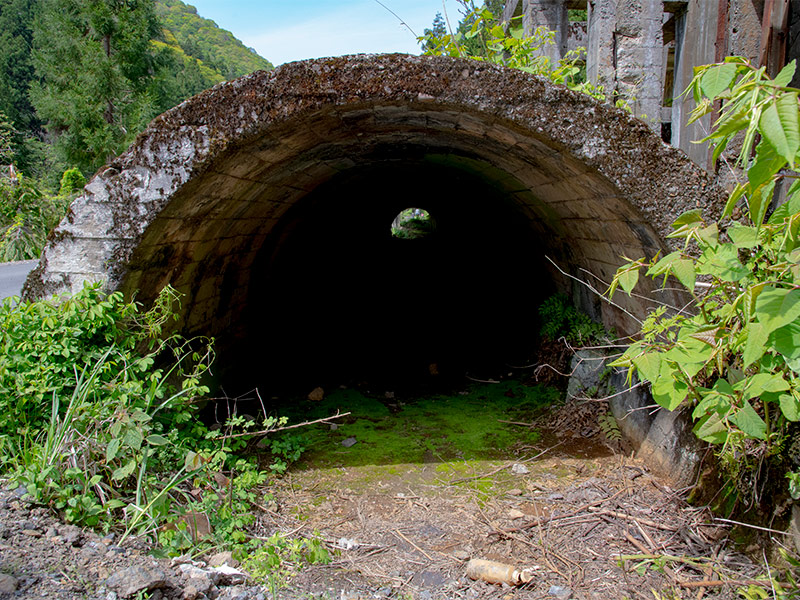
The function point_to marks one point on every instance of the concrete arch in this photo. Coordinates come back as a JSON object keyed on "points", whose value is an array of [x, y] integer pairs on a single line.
{"points": [[238, 194]]}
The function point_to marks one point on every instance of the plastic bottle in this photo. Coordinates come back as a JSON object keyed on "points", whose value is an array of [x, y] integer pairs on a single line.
{"points": [[497, 572]]}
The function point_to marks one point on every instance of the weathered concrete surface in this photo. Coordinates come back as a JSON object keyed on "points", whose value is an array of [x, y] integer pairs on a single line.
{"points": [[229, 162], [212, 193]]}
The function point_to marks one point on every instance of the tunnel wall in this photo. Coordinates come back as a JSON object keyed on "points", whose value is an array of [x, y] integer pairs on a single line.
{"points": [[198, 194]]}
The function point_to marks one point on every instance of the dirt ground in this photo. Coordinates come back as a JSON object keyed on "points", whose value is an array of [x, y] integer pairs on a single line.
{"points": [[586, 518], [591, 523]]}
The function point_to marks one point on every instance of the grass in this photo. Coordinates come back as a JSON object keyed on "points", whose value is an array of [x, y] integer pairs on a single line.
{"points": [[465, 425]]}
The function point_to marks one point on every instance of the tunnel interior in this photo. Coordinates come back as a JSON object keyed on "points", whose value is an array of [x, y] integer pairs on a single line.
{"points": [[357, 304]]}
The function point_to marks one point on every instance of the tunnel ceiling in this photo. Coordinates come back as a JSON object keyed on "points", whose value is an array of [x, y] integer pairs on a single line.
{"points": [[215, 194]]}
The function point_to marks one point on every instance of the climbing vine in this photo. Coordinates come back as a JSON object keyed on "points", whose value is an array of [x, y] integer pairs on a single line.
{"points": [[734, 359]]}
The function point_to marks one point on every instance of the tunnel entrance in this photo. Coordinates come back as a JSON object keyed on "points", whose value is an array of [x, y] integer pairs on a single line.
{"points": [[267, 201], [357, 303]]}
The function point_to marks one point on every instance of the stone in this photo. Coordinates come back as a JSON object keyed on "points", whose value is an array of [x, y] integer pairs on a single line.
{"points": [[227, 575], [129, 582], [587, 368], [8, 584], [559, 592], [197, 586], [519, 469], [223, 558], [461, 555], [235, 593], [317, 394], [515, 514], [72, 535], [349, 442]]}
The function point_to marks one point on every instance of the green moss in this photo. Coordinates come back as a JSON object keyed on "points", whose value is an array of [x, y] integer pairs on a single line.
{"points": [[462, 426]]}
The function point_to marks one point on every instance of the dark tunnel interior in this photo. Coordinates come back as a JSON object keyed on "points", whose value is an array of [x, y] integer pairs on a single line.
{"points": [[336, 299]]}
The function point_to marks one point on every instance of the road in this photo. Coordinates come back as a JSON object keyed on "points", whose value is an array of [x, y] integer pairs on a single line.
{"points": [[12, 276]]}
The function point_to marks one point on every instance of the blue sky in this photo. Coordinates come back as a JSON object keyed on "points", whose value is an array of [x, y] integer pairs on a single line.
{"points": [[286, 30]]}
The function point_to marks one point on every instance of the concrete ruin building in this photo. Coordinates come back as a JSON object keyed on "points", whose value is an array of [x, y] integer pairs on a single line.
{"points": [[645, 50]]}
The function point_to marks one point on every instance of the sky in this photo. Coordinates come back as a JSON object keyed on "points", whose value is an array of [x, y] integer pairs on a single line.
{"points": [[287, 30]]}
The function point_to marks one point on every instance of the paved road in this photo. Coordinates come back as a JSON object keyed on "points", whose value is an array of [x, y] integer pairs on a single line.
{"points": [[12, 276]]}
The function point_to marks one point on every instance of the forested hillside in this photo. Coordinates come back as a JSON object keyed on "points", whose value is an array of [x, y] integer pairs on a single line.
{"points": [[80, 78], [200, 38]]}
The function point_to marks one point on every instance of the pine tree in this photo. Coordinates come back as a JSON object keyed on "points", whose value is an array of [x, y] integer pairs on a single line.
{"points": [[16, 74], [93, 61]]}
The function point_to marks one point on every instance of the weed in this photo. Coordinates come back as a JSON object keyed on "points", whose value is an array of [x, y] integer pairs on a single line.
{"points": [[610, 427], [561, 319]]}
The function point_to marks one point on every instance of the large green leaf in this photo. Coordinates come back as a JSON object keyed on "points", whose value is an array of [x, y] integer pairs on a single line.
{"points": [[755, 346], [124, 471], [723, 262], [684, 270], [790, 407], [743, 237], [748, 420], [784, 78], [711, 428], [718, 399], [761, 383], [765, 166], [717, 79], [628, 280], [786, 340], [779, 126], [776, 307], [648, 365], [668, 391]]}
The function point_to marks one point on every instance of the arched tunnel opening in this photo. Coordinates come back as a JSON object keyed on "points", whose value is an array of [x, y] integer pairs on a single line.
{"points": [[268, 203], [356, 303]]}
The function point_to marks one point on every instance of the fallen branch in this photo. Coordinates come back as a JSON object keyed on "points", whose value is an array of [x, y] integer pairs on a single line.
{"points": [[428, 556], [619, 515], [295, 426], [503, 467]]}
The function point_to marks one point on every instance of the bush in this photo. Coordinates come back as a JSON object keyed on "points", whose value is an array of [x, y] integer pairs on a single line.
{"points": [[27, 215], [734, 357]]}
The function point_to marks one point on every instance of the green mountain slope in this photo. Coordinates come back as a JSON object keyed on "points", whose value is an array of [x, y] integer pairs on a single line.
{"points": [[203, 40]]}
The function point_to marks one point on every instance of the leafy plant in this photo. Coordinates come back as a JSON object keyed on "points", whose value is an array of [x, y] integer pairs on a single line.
{"points": [[280, 557], [26, 217], [88, 405], [609, 427], [488, 40], [561, 319], [735, 358]]}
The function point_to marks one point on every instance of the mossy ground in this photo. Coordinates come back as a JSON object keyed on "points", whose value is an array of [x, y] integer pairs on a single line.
{"points": [[463, 425]]}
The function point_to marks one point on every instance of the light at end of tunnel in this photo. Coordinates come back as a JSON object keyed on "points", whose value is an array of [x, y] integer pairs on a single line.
{"points": [[413, 224]]}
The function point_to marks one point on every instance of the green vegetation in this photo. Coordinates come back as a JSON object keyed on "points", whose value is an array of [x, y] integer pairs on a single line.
{"points": [[27, 214], [412, 224], [561, 319], [100, 423], [482, 36], [80, 79], [201, 39], [735, 359], [465, 425]]}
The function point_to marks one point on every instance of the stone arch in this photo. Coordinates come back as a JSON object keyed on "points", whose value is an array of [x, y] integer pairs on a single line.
{"points": [[234, 194]]}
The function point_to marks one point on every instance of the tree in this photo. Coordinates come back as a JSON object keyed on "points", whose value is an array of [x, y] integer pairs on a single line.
{"points": [[438, 30], [93, 61], [16, 74]]}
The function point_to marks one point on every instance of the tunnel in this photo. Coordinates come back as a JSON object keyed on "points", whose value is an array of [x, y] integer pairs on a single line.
{"points": [[268, 203]]}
